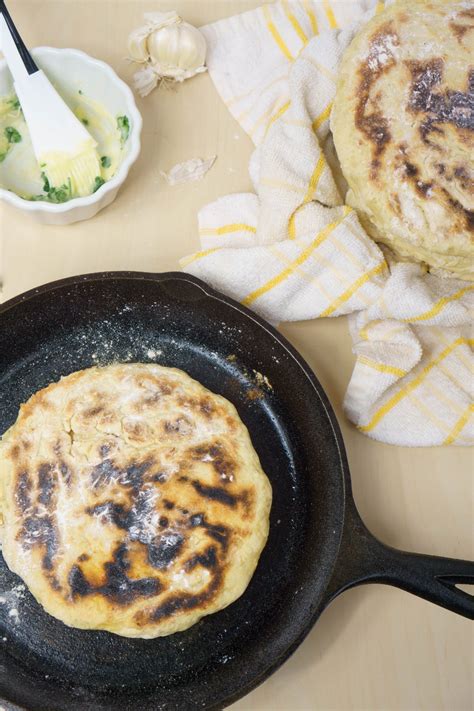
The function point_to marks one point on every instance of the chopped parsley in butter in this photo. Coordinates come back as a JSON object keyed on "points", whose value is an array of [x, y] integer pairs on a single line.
{"points": [[13, 136], [123, 125], [98, 183], [19, 170], [61, 194]]}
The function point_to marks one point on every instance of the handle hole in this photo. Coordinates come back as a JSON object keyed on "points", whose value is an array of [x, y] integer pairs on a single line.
{"points": [[469, 589]]}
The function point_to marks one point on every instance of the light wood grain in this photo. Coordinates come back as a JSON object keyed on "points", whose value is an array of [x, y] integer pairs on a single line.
{"points": [[375, 647]]}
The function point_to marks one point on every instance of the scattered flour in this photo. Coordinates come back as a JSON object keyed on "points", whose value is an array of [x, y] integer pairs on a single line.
{"points": [[9, 600], [382, 50]]}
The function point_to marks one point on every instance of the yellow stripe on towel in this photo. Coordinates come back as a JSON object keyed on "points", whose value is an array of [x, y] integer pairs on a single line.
{"points": [[281, 185], [330, 15], [460, 424], [271, 119], [313, 184], [250, 108], [312, 17], [292, 224], [395, 399], [323, 116], [428, 413], [382, 367], [277, 115], [198, 255], [275, 34], [353, 288], [320, 237], [321, 68], [386, 337], [226, 229], [440, 334], [314, 180], [439, 305], [294, 22]]}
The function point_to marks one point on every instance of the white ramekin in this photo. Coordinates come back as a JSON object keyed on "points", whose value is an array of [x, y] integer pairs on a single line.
{"points": [[71, 70]]}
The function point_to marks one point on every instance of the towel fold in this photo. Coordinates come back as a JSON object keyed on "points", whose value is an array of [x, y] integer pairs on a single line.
{"points": [[292, 250]]}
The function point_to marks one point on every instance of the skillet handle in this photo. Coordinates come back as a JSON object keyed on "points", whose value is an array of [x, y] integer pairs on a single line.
{"points": [[364, 559]]}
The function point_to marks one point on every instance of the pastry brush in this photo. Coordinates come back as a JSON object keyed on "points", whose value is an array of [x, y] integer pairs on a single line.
{"points": [[64, 149]]}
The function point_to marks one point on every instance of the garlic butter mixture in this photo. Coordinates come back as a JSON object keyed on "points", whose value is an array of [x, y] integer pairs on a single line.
{"points": [[21, 173]]}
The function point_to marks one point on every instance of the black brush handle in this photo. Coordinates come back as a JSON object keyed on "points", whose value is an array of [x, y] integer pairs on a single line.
{"points": [[28, 60], [364, 559]]}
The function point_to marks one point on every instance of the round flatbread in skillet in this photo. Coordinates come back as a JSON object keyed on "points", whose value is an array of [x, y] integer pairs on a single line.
{"points": [[403, 125], [134, 501]]}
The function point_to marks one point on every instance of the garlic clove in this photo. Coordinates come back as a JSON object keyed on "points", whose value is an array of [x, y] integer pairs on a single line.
{"points": [[177, 49], [145, 80], [193, 47], [137, 44]]}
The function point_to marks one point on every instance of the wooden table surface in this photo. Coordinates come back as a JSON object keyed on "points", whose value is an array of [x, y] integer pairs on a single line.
{"points": [[376, 647]]}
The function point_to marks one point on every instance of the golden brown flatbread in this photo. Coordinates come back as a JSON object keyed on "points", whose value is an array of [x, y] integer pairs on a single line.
{"points": [[134, 500], [403, 126]]}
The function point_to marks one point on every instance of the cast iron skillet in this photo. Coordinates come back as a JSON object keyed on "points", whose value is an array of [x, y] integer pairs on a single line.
{"points": [[318, 545]]}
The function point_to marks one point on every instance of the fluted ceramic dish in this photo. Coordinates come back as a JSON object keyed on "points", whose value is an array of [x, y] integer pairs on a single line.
{"points": [[71, 70]]}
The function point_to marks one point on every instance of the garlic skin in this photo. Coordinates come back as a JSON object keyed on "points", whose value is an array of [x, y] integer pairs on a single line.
{"points": [[145, 80], [157, 20], [137, 45], [170, 47], [190, 170]]}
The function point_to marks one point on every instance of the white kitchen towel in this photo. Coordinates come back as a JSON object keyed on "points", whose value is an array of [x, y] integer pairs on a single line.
{"points": [[292, 250]]}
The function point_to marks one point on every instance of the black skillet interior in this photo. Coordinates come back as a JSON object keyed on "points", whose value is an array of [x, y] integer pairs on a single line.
{"points": [[172, 320]]}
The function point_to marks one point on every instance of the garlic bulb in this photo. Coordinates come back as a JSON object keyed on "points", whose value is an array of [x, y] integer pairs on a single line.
{"points": [[171, 49], [178, 50]]}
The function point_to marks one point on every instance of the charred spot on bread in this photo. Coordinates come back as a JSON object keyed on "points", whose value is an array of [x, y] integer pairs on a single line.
{"points": [[369, 118]]}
